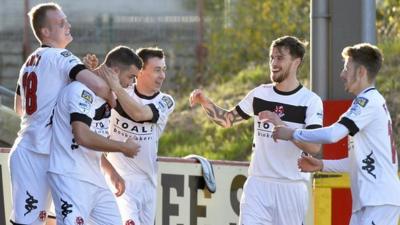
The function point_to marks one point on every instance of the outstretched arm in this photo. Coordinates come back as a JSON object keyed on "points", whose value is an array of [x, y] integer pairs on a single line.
{"points": [[224, 118], [272, 117], [310, 164], [325, 135]]}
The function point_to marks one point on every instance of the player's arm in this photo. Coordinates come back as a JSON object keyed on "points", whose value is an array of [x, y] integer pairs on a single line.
{"points": [[268, 116], [310, 148], [224, 118], [116, 180], [87, 138], [325, 135], [337, 165], [18, 101], [96, 84], [311, 164], [134, 109]]}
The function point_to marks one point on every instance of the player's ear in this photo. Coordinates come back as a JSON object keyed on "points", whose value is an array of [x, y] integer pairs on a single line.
{"points": [[297, 62], [44, 32], [362, 71], [116, 69]]}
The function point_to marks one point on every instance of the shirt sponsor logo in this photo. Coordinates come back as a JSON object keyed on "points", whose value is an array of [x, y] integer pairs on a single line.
{"points": [[87, 96], [84, 107], [361, 101], [168, 101], [66, 53], [355, 110], [161, 106]]}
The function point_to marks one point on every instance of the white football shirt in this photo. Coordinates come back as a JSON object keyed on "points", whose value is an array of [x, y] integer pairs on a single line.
{"points": [[76, 103], [372, 153], [41, 79], [146, 133], [101, 117], [299, 108]]}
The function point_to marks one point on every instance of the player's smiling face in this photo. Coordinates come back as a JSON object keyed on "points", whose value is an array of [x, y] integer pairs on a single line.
{"points": [[58, 28], [280, 64], [153, 75]]}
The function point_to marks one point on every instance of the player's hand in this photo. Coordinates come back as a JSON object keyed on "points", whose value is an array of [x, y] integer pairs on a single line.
{"points": [[269, 116], [282, 132], [110, 76], [130, 148], [197, 97], [118, 182], [90, 61], [309, 164]]}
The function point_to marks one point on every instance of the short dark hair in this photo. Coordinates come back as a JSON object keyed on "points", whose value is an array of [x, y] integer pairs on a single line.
{"points": [[38, 15], [366, 55], [146, 53], [296, 47], [123, 57]]}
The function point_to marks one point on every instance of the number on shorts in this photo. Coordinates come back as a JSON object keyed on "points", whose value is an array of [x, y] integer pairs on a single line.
{"points": [[29, 83]]}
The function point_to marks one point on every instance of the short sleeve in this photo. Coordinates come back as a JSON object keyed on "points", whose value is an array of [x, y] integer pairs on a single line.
{"points": [[245, 106], [359, 115], [162, 109], [80, 103], [69, 64], [314, 114]]}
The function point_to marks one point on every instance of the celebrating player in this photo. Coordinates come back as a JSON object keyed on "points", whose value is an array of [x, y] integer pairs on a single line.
{"points": [[275, 192], [78, 185], [372, 161], [46, 71], [142, 112]]}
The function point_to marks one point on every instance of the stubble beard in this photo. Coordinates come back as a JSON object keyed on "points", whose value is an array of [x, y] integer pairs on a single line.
{"points": [[280, 78]]}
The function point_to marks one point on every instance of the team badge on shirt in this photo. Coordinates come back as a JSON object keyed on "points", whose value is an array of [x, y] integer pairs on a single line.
{"points": [[42, 215], [66, 53], [129, 222], [280, 111], [361, 101], [87, 96], [79, 221]]}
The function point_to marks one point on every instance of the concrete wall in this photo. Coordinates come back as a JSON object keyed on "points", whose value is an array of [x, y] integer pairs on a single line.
{"points": [[99, 25], [9, 126]]}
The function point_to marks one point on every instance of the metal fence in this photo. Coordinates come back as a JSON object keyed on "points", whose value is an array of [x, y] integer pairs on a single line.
{"points": [[168, 24]]}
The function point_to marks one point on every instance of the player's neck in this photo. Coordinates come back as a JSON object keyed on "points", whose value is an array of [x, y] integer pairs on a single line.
{"points": [[144, 90], [52, 44], [287, 85], [363, 87]]}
